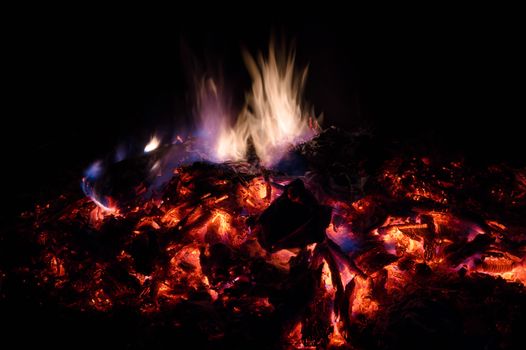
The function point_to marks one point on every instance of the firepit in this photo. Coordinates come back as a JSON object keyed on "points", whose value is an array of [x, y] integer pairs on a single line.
{"points": [[270, 231]]}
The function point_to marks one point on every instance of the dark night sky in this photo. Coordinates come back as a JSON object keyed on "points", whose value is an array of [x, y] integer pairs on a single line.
{"points": [[86, 82]]}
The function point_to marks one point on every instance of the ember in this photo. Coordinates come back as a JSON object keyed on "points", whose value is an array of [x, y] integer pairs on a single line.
{"points": [[227, 248], [239, 242]]}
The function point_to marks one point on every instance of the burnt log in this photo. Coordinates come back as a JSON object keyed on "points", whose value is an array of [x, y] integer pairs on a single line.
{"points": [[295, 219]]}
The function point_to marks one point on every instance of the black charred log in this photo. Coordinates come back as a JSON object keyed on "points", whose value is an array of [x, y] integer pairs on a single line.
{"points": [[295, 219]]}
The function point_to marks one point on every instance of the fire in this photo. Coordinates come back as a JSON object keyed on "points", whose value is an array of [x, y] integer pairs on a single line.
{"points": [[273, 120], [222, 220], [336, 339], [397, 243], [294, 337], [273, 117], [110, 208], [152, 145], [237, 238], [171, 218], [200, 244], [257, 194], [363, 302], [326, 278]]}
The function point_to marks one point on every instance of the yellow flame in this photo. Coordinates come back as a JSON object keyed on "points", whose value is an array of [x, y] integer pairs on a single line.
{"points": [[222, 219], [273, 117], [336, 338], [152, 145]]}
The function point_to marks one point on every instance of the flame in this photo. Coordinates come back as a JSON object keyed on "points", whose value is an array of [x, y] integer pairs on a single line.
{"points": [[397, 243], [273, 117], [152, 145], [336, 338], [294, 336], [213, 115], [257, 195], [110, 208], [518, 274], [363, 302], [272, 120], [222, 220], [104, 203]]}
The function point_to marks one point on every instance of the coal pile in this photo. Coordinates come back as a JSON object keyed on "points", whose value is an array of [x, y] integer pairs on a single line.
{"points": [[365, 248]]}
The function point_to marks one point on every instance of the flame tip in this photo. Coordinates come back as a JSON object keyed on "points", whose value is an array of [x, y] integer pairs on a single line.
{"points": [[152, 145]]}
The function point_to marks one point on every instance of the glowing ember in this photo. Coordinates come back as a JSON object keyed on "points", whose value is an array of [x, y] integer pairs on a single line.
{"points": [[207, 235], [222, 221], [202, 242]]}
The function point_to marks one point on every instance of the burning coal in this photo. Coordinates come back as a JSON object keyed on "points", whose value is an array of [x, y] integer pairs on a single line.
{"points": [[209, 236]]}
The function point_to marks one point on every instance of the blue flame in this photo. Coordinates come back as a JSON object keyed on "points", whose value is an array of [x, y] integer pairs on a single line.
{"points": [[94, 170], [91, 175]]}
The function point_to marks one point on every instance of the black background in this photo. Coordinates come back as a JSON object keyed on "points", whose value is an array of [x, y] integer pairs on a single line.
{"points": [[87, 80]]}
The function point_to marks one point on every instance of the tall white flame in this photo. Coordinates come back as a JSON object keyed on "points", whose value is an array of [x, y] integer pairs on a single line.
{"points": [[273, 116]]}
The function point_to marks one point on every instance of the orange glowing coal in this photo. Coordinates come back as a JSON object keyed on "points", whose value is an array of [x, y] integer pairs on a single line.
{"points": [[232, 237]]}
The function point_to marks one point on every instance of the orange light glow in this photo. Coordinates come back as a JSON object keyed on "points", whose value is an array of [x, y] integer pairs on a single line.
{"points": [[222, 220]]}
